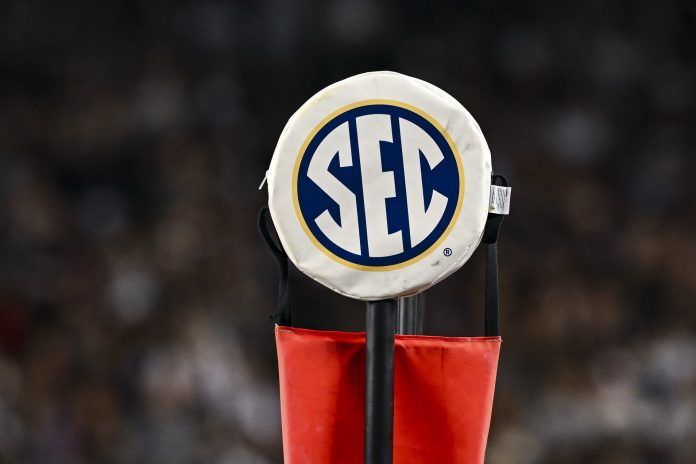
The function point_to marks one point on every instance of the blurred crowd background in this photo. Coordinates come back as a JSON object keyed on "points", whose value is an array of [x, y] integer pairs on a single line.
{"points": [[135, 292]]}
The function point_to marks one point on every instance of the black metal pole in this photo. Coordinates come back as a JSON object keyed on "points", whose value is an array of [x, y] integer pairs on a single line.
{"points": [[411, 314], [379, 381], [492, 325]]}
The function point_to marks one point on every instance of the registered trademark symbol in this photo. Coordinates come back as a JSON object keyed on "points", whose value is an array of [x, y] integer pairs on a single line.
{"points": [[447, 252]]}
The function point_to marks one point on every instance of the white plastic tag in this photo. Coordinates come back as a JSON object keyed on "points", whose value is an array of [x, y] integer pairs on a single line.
{"points": [[500, 200]]}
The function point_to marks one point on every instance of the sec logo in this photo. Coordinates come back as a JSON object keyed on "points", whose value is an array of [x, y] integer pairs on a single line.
{"points": [[378, 185]]}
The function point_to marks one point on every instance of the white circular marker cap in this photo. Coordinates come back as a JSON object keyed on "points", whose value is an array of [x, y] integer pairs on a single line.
{"points": [[379, 186]]}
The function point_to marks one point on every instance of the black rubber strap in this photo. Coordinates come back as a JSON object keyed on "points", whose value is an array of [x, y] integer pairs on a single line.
{"points": [[283, 315], [490, 238]]}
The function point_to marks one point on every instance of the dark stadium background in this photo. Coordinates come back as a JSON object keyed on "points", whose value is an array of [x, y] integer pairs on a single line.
{"points": [[134, 290]]}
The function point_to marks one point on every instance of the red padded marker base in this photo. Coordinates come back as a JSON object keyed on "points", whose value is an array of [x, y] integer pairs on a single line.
{"points": [[443, 395]]}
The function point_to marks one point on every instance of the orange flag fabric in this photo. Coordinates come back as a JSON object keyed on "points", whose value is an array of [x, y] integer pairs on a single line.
{"points": [[443, 396]]}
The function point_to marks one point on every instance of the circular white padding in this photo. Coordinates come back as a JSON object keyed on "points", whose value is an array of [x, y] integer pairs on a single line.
{"points": [[379, 186]]}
